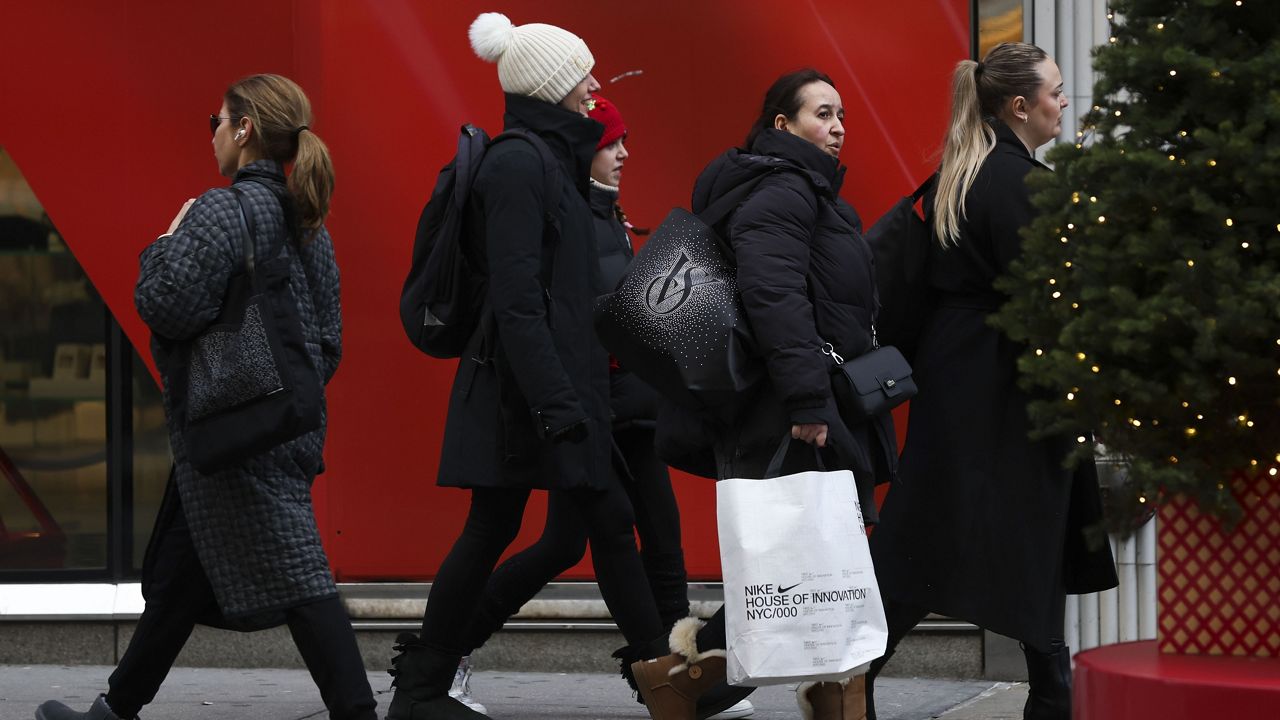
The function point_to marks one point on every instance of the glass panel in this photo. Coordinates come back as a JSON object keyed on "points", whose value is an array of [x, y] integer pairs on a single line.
{"points": [[151, 456], [998, 21], [53, 412]]}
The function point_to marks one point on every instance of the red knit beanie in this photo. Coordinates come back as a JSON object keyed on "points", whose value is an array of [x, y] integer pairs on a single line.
{"points": [[607, 113]]}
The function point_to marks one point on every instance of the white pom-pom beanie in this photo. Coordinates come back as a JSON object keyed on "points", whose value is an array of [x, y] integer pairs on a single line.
{"points": [[537, 60]]}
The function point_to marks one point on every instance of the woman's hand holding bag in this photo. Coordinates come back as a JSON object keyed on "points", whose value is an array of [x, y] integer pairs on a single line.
{"points": [[801, 598]]}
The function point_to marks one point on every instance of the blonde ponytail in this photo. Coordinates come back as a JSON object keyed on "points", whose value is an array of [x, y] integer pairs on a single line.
{"points": [[969, 141], [978, 91]]}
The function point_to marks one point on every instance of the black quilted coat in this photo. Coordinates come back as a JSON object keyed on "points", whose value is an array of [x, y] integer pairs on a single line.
{"points": [[253, 525], [530, 401]]}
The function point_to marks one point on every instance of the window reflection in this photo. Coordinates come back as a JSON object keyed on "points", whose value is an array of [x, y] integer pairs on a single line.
{"points": [[53, 415], [998, 21], [151, 457]]}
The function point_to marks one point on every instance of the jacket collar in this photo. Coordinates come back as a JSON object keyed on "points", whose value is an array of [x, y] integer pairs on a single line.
{"points": [[1008, 141], [826, 172], [603, 199], [270, 174], [571, 136], [268, 170]]}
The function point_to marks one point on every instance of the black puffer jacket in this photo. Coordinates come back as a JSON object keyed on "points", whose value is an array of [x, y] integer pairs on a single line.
{"points": [[521, 398], [634, 402], [806, 277]]}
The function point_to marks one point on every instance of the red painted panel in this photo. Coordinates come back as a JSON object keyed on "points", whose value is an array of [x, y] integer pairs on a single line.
{"points": [[104, 112]]}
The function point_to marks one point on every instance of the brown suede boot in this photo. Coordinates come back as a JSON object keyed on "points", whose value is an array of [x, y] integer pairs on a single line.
{"points": [[844, 700], [670, 685]]}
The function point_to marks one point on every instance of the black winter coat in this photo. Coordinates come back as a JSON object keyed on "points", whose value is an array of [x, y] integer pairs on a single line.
{"points": [[984, 524], [806, 277], [533, 378], [634, 403]]}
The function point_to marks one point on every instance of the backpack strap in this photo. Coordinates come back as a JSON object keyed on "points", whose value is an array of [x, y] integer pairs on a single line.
{"points": [[472, 143], [552, 212], [550, 170], [928, 183], [551, 220]]}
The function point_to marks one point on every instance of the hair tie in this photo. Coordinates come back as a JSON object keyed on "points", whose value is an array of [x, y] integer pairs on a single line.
{"points": [[298, 131], [978, 70]]}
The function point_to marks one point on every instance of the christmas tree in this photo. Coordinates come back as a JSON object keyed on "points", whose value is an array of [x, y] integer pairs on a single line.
{"points": [[1149, 292]]}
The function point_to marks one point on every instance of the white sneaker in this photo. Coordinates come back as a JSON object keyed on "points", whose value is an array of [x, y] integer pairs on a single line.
{"points": [[744, 708], [461, 690]]}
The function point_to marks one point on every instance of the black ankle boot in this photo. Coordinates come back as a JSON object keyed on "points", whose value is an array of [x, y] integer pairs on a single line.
{"points": [[876, 666], [1049, 683], [422, 679]]}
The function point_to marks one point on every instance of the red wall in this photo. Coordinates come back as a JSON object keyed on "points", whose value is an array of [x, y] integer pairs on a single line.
{"points": [[105, 106]]}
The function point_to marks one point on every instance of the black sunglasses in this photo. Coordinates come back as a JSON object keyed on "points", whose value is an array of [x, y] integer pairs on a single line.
{"points": [[216, 120]]}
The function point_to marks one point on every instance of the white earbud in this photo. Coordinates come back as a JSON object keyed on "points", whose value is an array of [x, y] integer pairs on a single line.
{"points": [[239, 134]]}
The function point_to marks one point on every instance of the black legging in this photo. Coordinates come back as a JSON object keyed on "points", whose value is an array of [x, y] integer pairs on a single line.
{"points": [[657, 522], [602, 516], [564, 541], [180, 595]]}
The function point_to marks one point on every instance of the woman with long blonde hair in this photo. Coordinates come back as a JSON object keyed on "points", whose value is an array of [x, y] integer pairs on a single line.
{"points": [[985, 524]]}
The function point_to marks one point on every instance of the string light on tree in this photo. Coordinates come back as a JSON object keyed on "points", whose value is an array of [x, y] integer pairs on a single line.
{"points": [[1153, 278]]}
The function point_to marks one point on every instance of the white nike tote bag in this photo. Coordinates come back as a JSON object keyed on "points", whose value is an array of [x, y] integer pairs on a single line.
{"points": [[801, 599]]}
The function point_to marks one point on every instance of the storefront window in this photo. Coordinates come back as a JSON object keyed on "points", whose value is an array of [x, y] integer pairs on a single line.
{"points": [[56, 338], [53, 415], [998, 21], [151, 457]]}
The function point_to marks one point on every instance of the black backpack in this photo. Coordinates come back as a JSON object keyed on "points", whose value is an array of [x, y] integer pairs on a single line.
{"points": [[900, 242], [443, 298]]}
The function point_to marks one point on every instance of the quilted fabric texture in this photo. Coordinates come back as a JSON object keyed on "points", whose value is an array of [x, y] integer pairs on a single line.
{"points": [[253, 525]]}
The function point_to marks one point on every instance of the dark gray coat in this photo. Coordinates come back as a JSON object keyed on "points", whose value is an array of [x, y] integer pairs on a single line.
{"points": [[530, 401], [253, 525], [984, 524]]}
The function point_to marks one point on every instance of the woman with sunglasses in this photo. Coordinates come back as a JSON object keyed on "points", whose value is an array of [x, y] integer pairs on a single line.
{"points": [[239, 548]]}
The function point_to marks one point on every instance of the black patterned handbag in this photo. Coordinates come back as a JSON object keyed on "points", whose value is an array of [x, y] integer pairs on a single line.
{"points": [[676, 319], [247, 384]]}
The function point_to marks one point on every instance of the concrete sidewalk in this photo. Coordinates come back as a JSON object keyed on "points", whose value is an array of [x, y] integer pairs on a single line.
{"points": [[268, 694]]}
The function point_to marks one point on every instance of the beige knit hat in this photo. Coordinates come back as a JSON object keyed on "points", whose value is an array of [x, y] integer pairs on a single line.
{"points": [[537, 60]]}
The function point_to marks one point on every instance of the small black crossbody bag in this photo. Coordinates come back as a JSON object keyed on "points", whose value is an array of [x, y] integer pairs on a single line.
{"points": [[871, 384]]}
